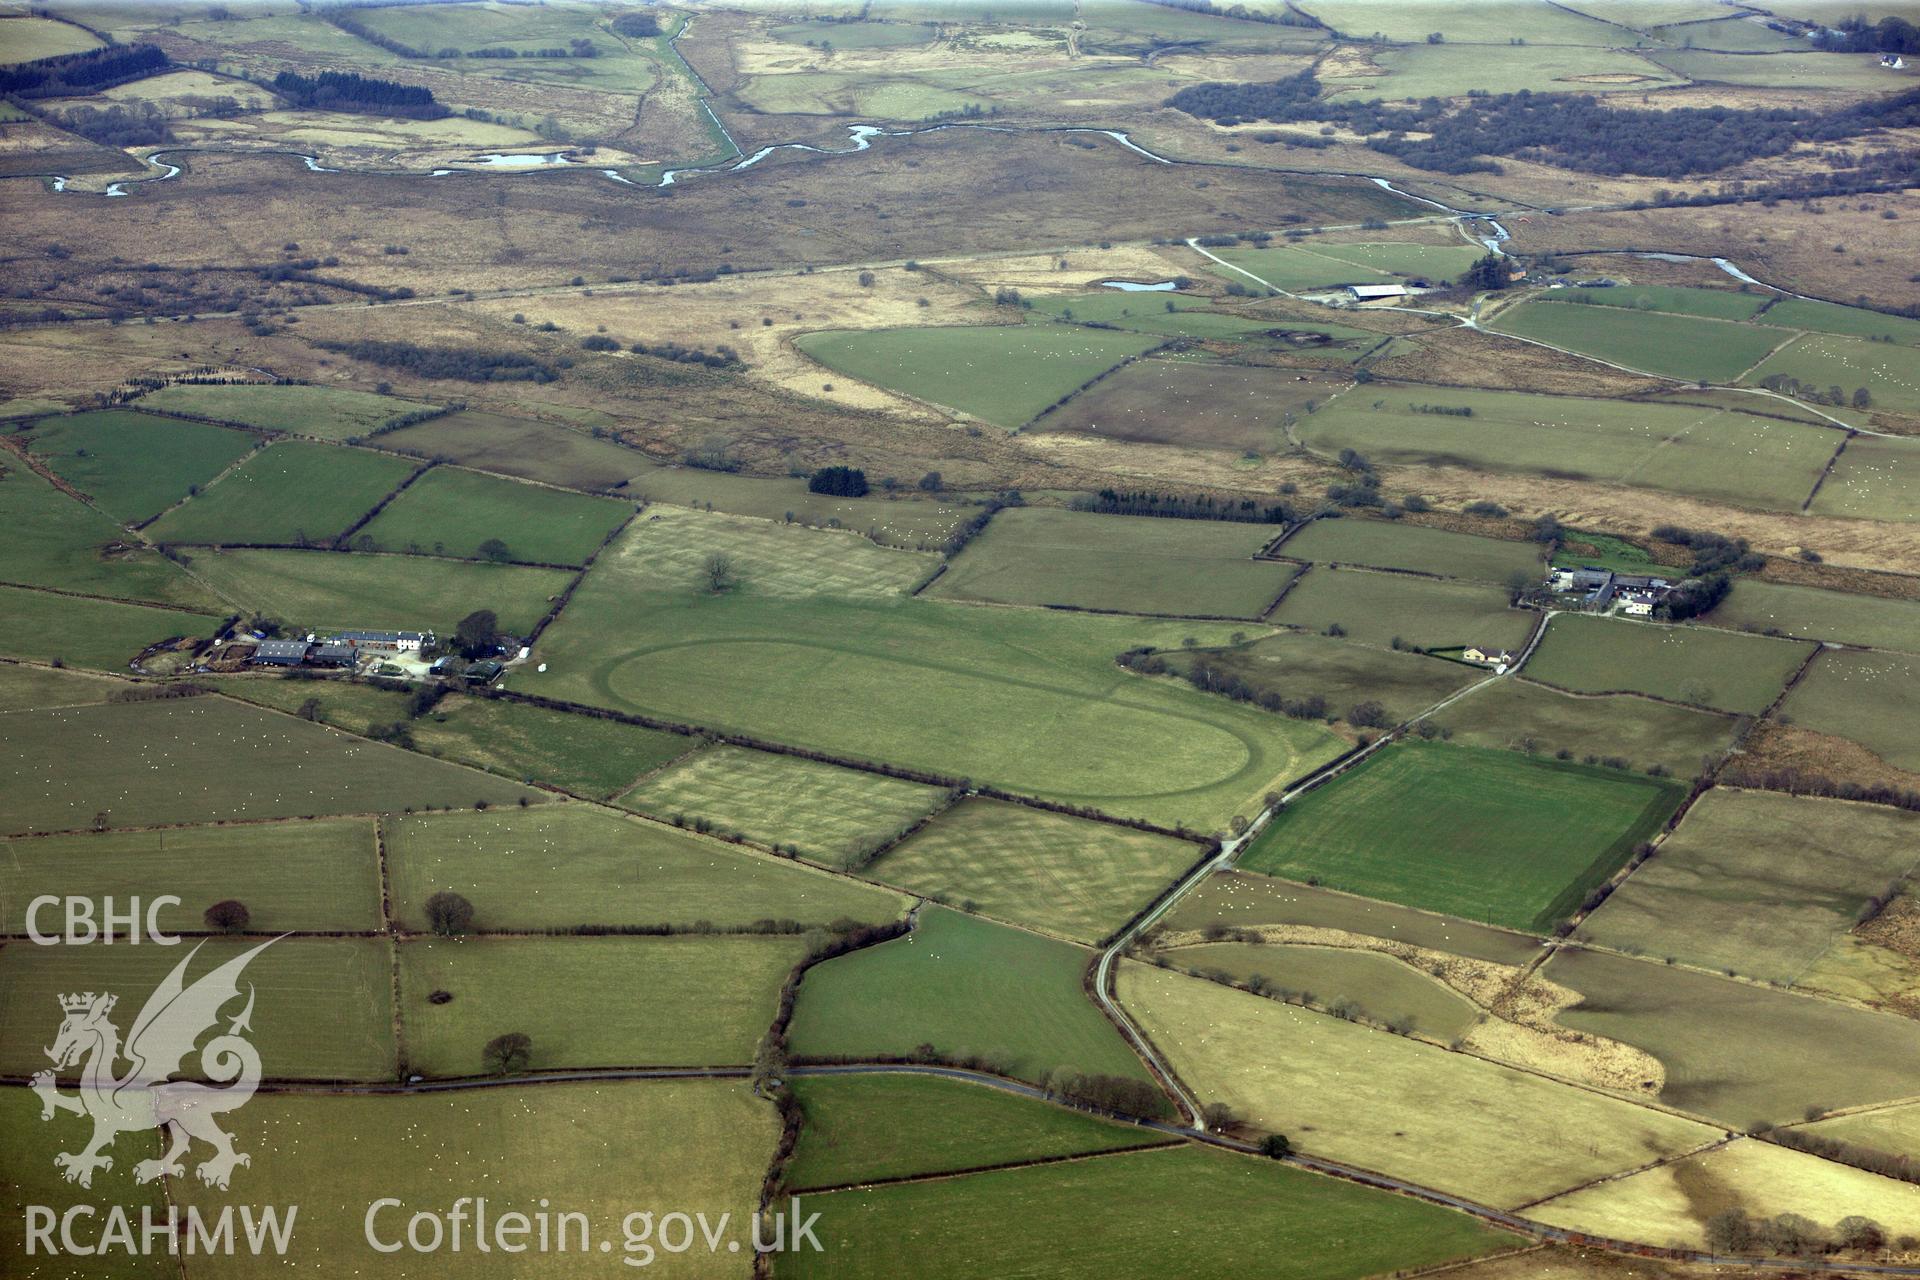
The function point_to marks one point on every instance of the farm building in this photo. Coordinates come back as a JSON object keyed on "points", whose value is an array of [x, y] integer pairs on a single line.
{"points": [[485, 672], [1490, 655], [385, 641], [333, 654], [1376, 292], [280, 653]]}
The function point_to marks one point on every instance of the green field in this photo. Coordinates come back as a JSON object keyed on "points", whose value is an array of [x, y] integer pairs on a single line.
{"points": [[1872, 698], [1796, 68], [1378, 608], [566, 866], [28, 38], [1002, 374], [1737, 1052], [1485, 835], [599, 1149], [920, 523], [1675, 346], [331, 413], [293, 492], [827, 813], [1295, 665], [664, 553], [1713, 304], [1829, 317], [1889, 372], [29, 1176], [87, 633], [1813, 614], [452, 512], [706, 1000], [1129, 564], [1172, 314], [1311, 265], [1872, 480], [526, 447], [323, 1007], [25, 688], [1519, 715], [1450, 1121], [1717, 669], [1185, 1211], [292, 876], [1464, 21], [583, 754], [1758, 883], [1376, 987], [1241, 899], [870, 1128], [55, 541], [970, 989], [177, 760], [1707, 451], [134, 465], [318, 590], [1061, 875], [1382, 544]]}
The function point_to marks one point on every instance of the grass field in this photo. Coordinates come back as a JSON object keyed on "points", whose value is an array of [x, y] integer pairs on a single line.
{"points": [[325, 589], [1379, 987], [1002, 374], [55, 541], [1515, 713], [293, 492], [707, 999], [331, 413], [1671, 1205], [1377, 608], [24, 39], [1666, 299], [1676, 346], [1737, 1052], [323, 1007], [1895, 1129], [867, 1128], [1235, 1215], [87, 633], [1044, 870], [292, 876], [522, 447], [29, 1176], [143, 763], [1830, 317], [1706, 451], [1296, 665], [1889, 372], [1240, 899], [1464, 22], [1440, 1119], [1312, 265], [989, 694], [564, 866], [970, 989], [1759, 883], [665, 550], [134, 465], [1174, 315], [452, 512], [1485, 835], [830, 814], [583, 754], [25, 688], [1198, 405], [1452, 71], [602, 1150], [1717, 669], [1872, 480], [1381, 544], [1131, 564], [915, 523], [1814, 614], [1872, 698]]}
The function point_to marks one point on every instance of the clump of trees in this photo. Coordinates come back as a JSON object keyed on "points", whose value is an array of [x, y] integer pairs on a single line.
{"points": [[449, 914], [1116, 1095], [839, 482], [477, 635], [75, 74], [1177, 506], [1790, 1234], [229, 915], [463, 364], [1712, 552], [636, 26], [718, 573], [1854, 34], [506, 1054], [351, 91]]}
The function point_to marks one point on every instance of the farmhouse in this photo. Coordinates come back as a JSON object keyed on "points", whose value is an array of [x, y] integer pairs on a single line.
{"points": [[1639, 603], [1489, 655], [280, 653], [384, 641], [1376, 292]]}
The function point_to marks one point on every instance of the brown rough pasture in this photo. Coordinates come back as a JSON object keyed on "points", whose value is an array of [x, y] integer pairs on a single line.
{"points": [[31, 147], [1459, 357], [1198, 406], [942, 193]]}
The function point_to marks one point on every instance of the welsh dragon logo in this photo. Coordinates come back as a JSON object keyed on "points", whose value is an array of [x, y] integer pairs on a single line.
{"points": [[145, 1096]]}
